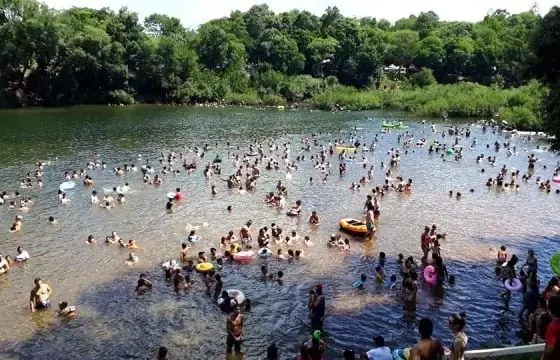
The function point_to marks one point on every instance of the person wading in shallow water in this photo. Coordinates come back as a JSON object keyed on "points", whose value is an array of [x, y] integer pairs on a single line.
{"points": [[235, 331], [317, 307]]}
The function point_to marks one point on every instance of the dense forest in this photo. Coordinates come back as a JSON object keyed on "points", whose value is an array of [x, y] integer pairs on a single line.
{"points": [[89, 56]]}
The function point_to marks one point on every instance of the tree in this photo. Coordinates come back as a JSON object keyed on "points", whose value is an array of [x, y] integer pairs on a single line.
{"points": [[401, 47], [546, 66], [424, 77], [425, 23]]}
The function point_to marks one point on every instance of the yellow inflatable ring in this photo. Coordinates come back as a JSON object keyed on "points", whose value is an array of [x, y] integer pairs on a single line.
{"points": [[353, 226], [204, 267]]}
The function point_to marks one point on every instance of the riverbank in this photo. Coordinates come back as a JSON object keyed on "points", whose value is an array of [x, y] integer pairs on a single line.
{"points": [[519, 107]]}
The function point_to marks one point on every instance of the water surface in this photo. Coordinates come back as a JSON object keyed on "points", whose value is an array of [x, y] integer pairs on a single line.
{"points": [[115, 323]]}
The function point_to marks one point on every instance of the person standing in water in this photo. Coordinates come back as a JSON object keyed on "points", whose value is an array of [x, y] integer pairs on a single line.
{"points": [[460, 339], [370, 218], [235, 331], [317, 307], [39, 297]]}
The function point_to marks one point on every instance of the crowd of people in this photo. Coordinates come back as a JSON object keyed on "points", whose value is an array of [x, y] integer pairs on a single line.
{"points": [[540, 314]]}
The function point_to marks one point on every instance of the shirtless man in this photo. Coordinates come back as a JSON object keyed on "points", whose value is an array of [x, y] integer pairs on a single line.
{"points": [[39, 297], [427, 348], [184, 253], [235, 331], [245, 233], [113, 238]]}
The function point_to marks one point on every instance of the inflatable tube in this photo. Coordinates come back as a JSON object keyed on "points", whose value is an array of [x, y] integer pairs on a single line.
{"points": [[171, 195], [194, 238], [348, 161], [556, 179], [265, 252], [172, 264], [67, 185], [244, 255], [235, 294], [449, 151], [353, 226], [388, 125], [292, 213], [401, 354], [204, 267], [252, 154], [430, 275], [555, 263], [513, 285]]}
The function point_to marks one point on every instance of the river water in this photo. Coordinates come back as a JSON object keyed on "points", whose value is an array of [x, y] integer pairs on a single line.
{"points": [[114, 322]]}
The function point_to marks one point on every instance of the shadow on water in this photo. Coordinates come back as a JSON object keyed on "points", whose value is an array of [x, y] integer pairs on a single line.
{"points": [[115, 323]]}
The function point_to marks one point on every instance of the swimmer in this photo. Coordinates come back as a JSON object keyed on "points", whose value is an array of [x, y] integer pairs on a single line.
{"points": [[107, 205], [121, 199], [307, 241], [169, 206], [298, 254], [66, 312], [346, 246], [22, 255], [382, 259], [193, 237], [4, 265], [64, 199], [94, 198], [214, 192], [132, 244], [279, 255], [143, 284], [184, 253], [179, 195], [91, 240], [314, 218], [202, 257], [360, 283], [392, 284], [39, 297], [52, 220], [131, 259], [113, 238], [379, 275], [292, 240]]}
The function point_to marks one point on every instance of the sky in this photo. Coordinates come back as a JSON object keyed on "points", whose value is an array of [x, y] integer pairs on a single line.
{"points": [[193, 13]]}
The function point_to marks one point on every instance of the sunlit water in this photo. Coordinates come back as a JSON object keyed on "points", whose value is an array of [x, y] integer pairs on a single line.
{"points": [[115, 323]]}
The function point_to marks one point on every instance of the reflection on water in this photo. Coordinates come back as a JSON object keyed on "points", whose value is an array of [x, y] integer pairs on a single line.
{"points": [[115, 323]]}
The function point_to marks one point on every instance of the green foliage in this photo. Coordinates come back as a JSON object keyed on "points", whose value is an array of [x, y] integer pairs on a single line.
{"points": [[120, 97], [546, 66], [424, 77], [83, 55]]}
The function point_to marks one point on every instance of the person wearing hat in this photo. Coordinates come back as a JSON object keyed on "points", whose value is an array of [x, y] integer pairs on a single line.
{"points": [[317, 307], [380, 351], [315, 347]]}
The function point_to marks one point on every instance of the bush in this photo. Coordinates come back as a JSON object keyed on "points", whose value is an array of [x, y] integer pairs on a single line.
{"points": [[423, 78], [250, 98], [120, 97], [273, 100]]}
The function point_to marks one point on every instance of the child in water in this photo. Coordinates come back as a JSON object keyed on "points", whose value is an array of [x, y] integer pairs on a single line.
{"points": [[359, 284], [382, 259], [379, 275], [392, 283]]}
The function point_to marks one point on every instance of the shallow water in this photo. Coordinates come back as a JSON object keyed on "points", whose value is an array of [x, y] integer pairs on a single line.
{"points": [[115, 323]]}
